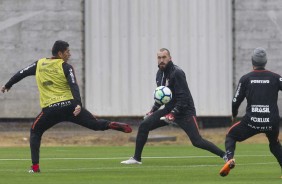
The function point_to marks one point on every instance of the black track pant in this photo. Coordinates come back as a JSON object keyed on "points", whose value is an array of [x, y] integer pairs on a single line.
{"points": [[188, 124], [240, 132], [50, 116]]}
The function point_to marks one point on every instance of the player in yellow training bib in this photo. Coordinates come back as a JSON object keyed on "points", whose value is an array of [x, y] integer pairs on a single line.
{"points": [[59, 98]]}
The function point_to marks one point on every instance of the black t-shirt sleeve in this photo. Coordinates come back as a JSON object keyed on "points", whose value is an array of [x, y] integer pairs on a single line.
{"points": [[182, 93], [280, 83], [239, 96], [70, 76], [155, 107], [27, 71]]}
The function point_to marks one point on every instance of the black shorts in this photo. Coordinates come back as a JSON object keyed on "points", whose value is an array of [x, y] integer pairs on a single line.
{"points": [[241, 131], [63, 112]]}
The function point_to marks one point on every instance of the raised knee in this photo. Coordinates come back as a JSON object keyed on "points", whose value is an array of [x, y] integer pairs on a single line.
{"points": [[197, 143], [143, 127], [35, 135]]}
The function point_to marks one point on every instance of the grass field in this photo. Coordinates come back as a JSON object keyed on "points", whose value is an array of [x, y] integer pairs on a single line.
{"points": [[161, 164]]}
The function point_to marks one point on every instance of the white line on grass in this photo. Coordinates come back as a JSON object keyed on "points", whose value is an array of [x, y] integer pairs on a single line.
{"points": [[117, 158], [151, 167]]}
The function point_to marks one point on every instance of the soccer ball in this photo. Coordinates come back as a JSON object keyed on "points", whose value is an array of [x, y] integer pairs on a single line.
{"points": [[162, 95]]}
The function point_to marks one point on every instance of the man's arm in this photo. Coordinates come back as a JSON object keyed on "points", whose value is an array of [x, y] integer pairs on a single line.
{"points": [[238, 97], [27, 71], [280, 83], [70, 76], [181, 94]]}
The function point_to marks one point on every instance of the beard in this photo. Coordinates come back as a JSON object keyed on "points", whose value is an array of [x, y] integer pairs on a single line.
{"points": [[162, 66]]}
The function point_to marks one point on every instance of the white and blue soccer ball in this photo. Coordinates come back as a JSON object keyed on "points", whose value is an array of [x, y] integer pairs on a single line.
{"points": [[162, 95]]}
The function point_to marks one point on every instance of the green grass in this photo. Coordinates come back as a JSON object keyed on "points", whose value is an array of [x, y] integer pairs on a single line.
{"points": [[82, 165]]}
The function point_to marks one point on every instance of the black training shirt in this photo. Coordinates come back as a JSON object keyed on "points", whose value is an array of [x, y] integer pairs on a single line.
{"points": [[31, 70], [260, 88], [174, 78]]}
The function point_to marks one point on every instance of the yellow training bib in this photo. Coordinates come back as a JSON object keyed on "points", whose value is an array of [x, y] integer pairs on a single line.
{"points": [[51, 81]]}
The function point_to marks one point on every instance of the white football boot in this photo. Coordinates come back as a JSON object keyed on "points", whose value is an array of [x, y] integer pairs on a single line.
{"points": [[131, 160]]}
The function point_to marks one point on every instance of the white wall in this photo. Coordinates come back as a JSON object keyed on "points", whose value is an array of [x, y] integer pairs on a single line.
{"points": [[123, 36], [257, 24], [28, 30]]}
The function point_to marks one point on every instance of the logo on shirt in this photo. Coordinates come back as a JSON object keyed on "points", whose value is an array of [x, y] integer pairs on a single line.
{"points": [[260, 108], [26, 68], [260, 128], [260, 120], [72, 75], [47, 83], [237, 92], [260, 81], [61, 104]]}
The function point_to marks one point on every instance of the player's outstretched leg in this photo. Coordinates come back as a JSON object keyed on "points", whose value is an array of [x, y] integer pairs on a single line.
{"points": [[123, 127], [227, 167]]}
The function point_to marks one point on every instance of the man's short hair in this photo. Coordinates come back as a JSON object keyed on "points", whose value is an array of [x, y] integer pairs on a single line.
{"points": [[164, 49], [58, 46]]}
